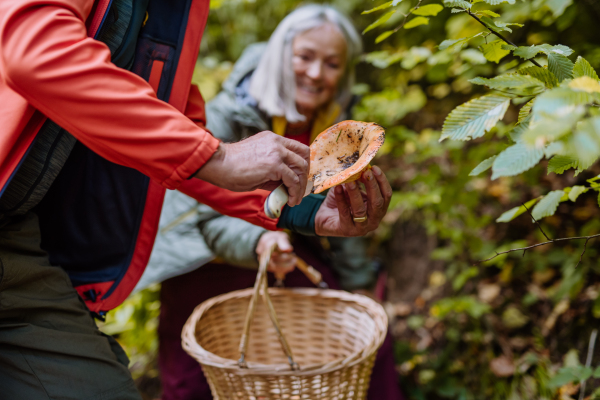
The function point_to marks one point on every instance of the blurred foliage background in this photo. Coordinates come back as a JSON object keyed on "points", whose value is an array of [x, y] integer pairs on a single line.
{"points": [[517, 327]]}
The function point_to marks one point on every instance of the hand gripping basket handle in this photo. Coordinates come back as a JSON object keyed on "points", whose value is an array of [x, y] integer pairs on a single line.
{"points": [[261, 283]]}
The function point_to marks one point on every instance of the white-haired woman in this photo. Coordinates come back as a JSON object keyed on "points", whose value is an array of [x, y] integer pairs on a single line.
{"points": [[296, 85]]}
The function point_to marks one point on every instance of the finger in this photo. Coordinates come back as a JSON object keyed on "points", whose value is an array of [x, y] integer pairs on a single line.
{"points": [[281, 270], [284, 258], [357, 204], [292, 183], [375, 200], [284, 262], [270, 186], [298, 148], [283, 244], [344, 211], [300, 166], [384, 187]]}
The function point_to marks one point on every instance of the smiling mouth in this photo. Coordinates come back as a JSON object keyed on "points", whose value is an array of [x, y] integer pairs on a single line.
{"points": [[310, 89]]}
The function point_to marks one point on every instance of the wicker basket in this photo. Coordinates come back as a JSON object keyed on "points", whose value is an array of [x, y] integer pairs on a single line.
{"points": [[334, 337]]}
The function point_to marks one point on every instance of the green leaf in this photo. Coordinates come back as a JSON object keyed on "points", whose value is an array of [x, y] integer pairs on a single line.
{"points": [[526, 52], [483, 166], [382, 59], [494, 51], [525, 110], [381, 7], [504, 26], [532, 51], [563, 377], [519, 84], [383, 36], [496, 2], [515, 212], [418, 21], [548, 205], [516, 159], [559, 164], [519, 129], [585, 142], [382, 20], [560, 66], [558, 7], [489, 13], [513, 318], [429, 10], [583, 68], [540, 74], [547, 128], [446, 44], [576, 191], [498, 26], [457, 3], [560, 101], [596, 373], [474, 118]]}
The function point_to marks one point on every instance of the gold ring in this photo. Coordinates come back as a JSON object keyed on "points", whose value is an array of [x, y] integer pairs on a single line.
{"points": [[360, 219]]}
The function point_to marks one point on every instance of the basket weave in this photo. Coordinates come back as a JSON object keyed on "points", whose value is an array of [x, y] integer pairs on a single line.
{"points": [[334, 336]]}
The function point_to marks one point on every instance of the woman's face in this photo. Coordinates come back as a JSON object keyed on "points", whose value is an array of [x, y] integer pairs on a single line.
{"points": [[319, 61]]}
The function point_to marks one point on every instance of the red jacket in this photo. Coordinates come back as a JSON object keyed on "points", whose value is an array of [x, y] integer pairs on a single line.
{"points": [[51, 67]]}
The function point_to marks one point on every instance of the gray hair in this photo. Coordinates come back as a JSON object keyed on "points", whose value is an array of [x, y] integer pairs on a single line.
{"points": [[273, 83]]}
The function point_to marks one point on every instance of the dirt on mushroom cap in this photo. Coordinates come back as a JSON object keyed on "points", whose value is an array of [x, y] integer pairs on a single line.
{"points": [[341, 153]]}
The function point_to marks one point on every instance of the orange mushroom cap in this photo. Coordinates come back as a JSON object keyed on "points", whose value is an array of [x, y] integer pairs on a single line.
{"points": [[341, 153]]}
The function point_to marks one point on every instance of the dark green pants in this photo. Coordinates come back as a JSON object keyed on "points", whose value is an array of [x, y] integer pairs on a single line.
{"points": [[50, 347]]}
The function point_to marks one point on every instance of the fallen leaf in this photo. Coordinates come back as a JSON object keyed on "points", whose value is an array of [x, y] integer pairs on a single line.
{"points": [[558, 310], [518, 342], [437, 279], [402, 309], [488, 292], [512, 318], [502, 367], [544, 276]]}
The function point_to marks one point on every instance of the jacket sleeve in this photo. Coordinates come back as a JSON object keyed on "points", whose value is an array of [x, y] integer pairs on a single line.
{"points": [[231, 239], [248, 206], [47, 58]]}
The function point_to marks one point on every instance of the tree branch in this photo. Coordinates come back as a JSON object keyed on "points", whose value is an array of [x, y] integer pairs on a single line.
{"points": [[498, 34], [586, 238], [537, 223]]}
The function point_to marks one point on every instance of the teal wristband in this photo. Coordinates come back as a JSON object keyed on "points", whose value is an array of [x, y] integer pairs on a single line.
{"points": [[301, 219]]}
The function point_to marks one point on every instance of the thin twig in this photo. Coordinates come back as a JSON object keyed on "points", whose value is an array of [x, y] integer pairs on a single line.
{"points": [[586, 238], [588, 361], [536, 222], [406, 17], [582, 253], [498, 34]]}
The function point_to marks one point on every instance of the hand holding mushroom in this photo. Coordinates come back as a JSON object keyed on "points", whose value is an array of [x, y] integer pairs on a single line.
{"points": [[341, 155]]}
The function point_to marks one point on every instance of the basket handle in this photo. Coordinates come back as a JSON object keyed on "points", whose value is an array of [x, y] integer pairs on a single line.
{"points": [[261, 283]]}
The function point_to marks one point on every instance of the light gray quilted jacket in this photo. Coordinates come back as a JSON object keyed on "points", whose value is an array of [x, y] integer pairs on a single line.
{"points": [[192, 234]]}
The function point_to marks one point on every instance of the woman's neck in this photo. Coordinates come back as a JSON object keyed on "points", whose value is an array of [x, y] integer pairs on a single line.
{"points": [[301, 126]]}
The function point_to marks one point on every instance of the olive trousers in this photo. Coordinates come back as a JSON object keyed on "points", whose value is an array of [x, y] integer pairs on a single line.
{"points": [[50, 346]]}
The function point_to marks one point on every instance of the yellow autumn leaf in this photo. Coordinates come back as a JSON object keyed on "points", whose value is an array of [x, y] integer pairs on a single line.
{"points": [[585, 84]]}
